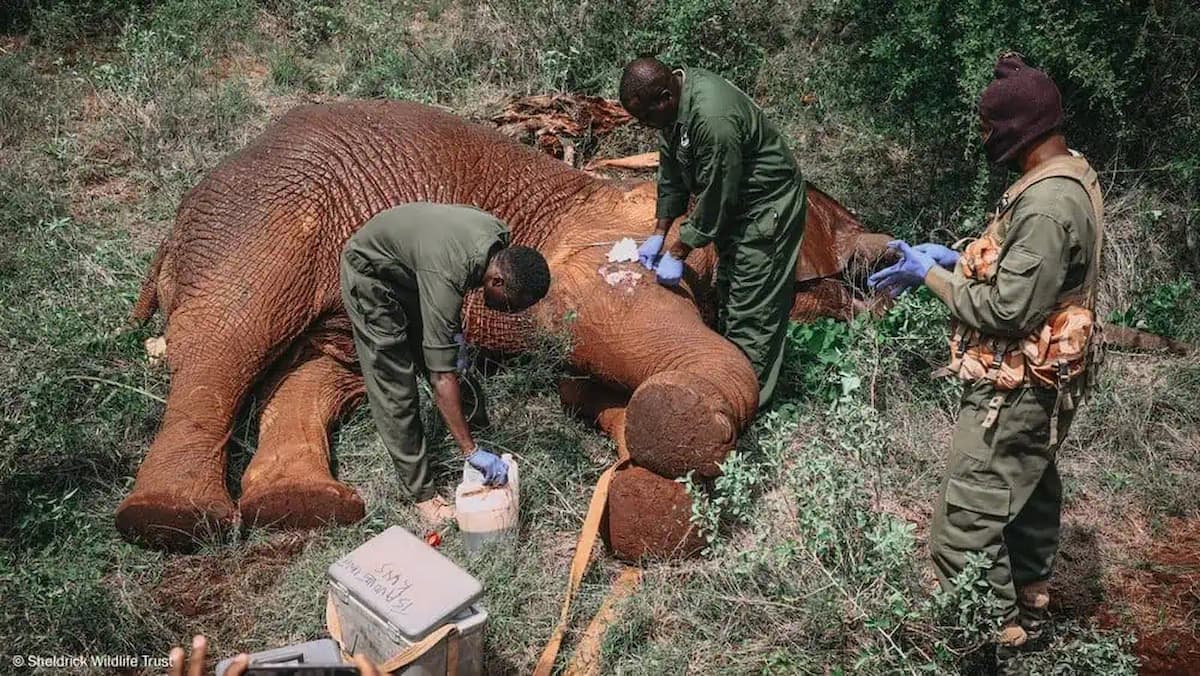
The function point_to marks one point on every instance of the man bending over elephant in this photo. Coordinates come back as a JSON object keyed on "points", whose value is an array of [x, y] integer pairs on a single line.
{"points": [[404, 275], [715, 143]]}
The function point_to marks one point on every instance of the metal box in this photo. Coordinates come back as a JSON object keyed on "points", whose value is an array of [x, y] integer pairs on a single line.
{"points": [[324, 652], [394, 591]]}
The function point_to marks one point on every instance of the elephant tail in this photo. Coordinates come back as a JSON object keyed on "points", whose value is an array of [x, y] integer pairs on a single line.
{"points": [[147, 301]]}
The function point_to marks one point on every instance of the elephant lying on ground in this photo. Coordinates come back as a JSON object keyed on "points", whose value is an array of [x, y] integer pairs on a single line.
{"points": [[248, 284]]}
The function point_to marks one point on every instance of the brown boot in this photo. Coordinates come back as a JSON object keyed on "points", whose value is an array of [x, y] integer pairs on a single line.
{"points": [[1009, 643], [1035, 595], [1012, 635], [1034, 602]]}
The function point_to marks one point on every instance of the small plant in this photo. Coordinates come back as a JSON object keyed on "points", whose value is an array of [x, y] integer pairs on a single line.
{"points": [[290, 71], [731, 500], [816, 361]]}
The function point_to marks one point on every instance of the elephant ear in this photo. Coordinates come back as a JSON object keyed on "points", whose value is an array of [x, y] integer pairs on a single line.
{"points": [[830, 236]]}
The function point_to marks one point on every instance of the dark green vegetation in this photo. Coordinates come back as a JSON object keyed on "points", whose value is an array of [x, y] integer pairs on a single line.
{"points": [[111, 109]]}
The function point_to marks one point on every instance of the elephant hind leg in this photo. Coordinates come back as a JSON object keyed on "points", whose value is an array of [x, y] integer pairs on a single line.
{"points": [[179, 499], [289, 483], [599, 404]]}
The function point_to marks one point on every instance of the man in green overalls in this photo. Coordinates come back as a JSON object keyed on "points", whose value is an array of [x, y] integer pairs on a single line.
{"points": [[1002, 495], [716, 143], [404, 275]]}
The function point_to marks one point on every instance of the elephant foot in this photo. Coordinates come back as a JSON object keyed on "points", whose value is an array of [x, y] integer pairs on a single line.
{"points": [[300, 503], [174, 522], [677, 422], [649, 517]]}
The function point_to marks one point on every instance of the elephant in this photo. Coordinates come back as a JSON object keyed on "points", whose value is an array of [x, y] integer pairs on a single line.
{"points": [[247, 282]]}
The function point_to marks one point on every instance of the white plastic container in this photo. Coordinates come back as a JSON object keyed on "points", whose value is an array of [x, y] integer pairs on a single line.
{"points": [[394, 591], [488, 514]]}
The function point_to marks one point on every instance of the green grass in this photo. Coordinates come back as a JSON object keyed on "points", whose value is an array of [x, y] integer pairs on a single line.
{"points": [[815, 561]]}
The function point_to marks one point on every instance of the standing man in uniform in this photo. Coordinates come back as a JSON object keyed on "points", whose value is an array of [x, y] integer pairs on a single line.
{"points": [[715, 143], [1022, 298], [404, 275]]}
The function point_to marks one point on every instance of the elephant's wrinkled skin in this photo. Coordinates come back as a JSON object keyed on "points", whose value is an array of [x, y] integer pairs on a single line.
{"points": [[247, 282]]}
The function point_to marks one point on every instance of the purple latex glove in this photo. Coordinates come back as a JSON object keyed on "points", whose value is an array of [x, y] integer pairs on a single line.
{"points": [[669, 270], [943, 255], [908, 273], [492, 466], [650, 251]]}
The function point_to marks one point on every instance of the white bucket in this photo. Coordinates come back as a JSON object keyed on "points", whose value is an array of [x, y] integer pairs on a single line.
{"points": [[487, 513]]}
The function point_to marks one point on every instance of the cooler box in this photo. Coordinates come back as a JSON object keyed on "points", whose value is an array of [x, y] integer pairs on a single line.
{"points": [[396, 591], [323, 652]]}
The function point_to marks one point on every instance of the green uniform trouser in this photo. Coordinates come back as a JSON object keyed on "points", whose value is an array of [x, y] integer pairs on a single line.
{"points": [[756, 286], [1002, 494], [387, 336]]}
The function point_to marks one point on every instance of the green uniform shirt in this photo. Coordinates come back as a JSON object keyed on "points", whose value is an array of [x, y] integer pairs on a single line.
{"points": [[724, 150], [431, 255], [1046, 251]]}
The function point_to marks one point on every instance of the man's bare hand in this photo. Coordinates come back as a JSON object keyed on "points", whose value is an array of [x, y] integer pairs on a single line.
{"points": [[194, 666], [181, 665]]}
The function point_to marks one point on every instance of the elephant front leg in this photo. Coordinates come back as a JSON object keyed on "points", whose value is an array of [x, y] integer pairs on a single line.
{"points": [[289, 483], [649, 516]]}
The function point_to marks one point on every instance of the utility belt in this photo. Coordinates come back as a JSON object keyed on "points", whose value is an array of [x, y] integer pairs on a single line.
{"points": [[1063, 354]]}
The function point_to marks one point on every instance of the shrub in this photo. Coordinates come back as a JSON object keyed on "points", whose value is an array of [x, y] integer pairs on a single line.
{"points": [[919, 68], [1171, 309]]}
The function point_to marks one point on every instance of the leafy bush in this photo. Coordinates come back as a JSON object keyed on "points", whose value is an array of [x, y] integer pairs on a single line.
{"points": [[919, 67], [1161, 309], [816, 360], [170, 42]]}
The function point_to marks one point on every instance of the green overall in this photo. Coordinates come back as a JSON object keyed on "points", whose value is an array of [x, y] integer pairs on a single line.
{"points": [[404, 275], [1002, 494], [750, 203]]}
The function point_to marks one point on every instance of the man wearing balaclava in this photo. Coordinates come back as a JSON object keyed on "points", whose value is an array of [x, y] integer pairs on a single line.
{"points": [[1022, 298]]}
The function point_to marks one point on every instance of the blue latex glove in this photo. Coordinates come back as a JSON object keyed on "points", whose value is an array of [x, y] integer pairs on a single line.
{"points": [[908, 273], [942, 255], [669, 270], [650, 251], [493, 468]]}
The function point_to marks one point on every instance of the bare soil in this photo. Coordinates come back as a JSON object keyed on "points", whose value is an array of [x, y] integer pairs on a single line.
{"points": [[203, 587]]}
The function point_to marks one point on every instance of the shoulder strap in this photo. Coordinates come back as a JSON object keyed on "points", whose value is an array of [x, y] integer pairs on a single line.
{"points": [[1074, 167], [1091, 183]]}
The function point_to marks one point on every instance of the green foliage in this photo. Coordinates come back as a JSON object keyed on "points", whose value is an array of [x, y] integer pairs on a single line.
{"points": [[1160, 310], [288, 71], [716, 35], [444, 52], [19, 86], [170, 41], [1076, 648], [816, 360], [920, 67], [731, 498]]}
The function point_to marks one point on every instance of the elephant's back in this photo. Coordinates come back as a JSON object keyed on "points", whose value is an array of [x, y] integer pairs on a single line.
{"points": [[351, 160], [294, 195]]}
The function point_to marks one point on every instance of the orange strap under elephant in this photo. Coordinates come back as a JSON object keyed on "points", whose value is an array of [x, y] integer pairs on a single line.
{"points": [[625, 583], [447, 632]]}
